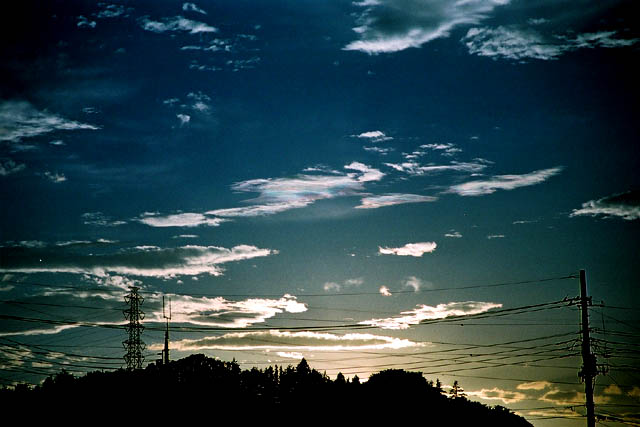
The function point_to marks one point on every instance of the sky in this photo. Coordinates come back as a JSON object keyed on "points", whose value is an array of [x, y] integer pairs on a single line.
{"points": [[374, 184]]}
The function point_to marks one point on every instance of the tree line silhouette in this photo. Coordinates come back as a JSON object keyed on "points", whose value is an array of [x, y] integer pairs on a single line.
{"points": [[201, 381]]}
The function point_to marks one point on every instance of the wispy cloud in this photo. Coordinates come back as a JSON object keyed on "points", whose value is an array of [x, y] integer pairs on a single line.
{"points": [[374, 136], [503, 182], [293, 341], [100, 219], [394, 25], [337, 287], [20, 119], [186, 219], [83, 21], [191, 7], [384, 291], [417, 169], [177, 23], [220, 312], [410, 249], [624, 205], [374, 202], [281, 194], [190, 260], [426, 312], [8, 167], [506, 396], [518, 43]]}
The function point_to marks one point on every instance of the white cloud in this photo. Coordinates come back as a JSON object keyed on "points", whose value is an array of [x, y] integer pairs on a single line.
{"points": [[281, 194], [184, 119], [519, 43], [395, 25], [220, 312], [374, 136], [373, 202], [191, 7], [416, 169], [503, 182], [414, 283], [179, 220], [292, 341], [379, 150], [8, 167], [177, 23], [495, 393], [425, 312], [111, 11], [624, 205], [290, 354], [55, 177], [190, 260], [453, 234], [84, 22], [410, 249], [384, 291], [534, 385], [332, 287], [19, 120]]}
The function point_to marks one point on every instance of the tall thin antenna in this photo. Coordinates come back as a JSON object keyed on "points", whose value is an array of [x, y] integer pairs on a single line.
{"points": [[134, 345], [165, 352]]}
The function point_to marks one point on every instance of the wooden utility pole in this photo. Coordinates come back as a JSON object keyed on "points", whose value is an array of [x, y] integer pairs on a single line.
{"points": [[589, 369]]}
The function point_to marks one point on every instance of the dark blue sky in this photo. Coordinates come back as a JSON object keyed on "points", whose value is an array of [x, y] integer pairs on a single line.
{"points": [[285, 155]]}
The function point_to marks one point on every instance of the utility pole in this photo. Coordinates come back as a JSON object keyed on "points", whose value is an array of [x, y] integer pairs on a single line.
{"points": [[134, 345], [589, 369], [165, 352]]}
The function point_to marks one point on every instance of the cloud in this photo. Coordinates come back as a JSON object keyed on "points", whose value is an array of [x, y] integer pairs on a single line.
{"points": [[111, 11], [191, 7], [177, 23], [453, 234], [447, 149], [8, 167], [413, 282], [384, 291], [373, 202], [426, 312], [19, 120], [337, 287], [410, 249], [281, 194], [416, 169], [503, 182], [290, 354], [534, 385], [190, 260], [520, 43], [374, 136], [379, 150], [394, 25], [56, 177], [100, 219], [495, 393], [179, 220], [84, 22], [623, 205], [184, 118], [292, 341], [219, 312]]}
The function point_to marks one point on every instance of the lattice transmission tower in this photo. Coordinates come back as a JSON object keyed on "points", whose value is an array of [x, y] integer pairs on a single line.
{"points": [[134, 345]]}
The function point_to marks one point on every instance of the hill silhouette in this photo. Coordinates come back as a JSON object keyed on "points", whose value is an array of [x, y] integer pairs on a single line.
{"points": [[199, 381]]}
